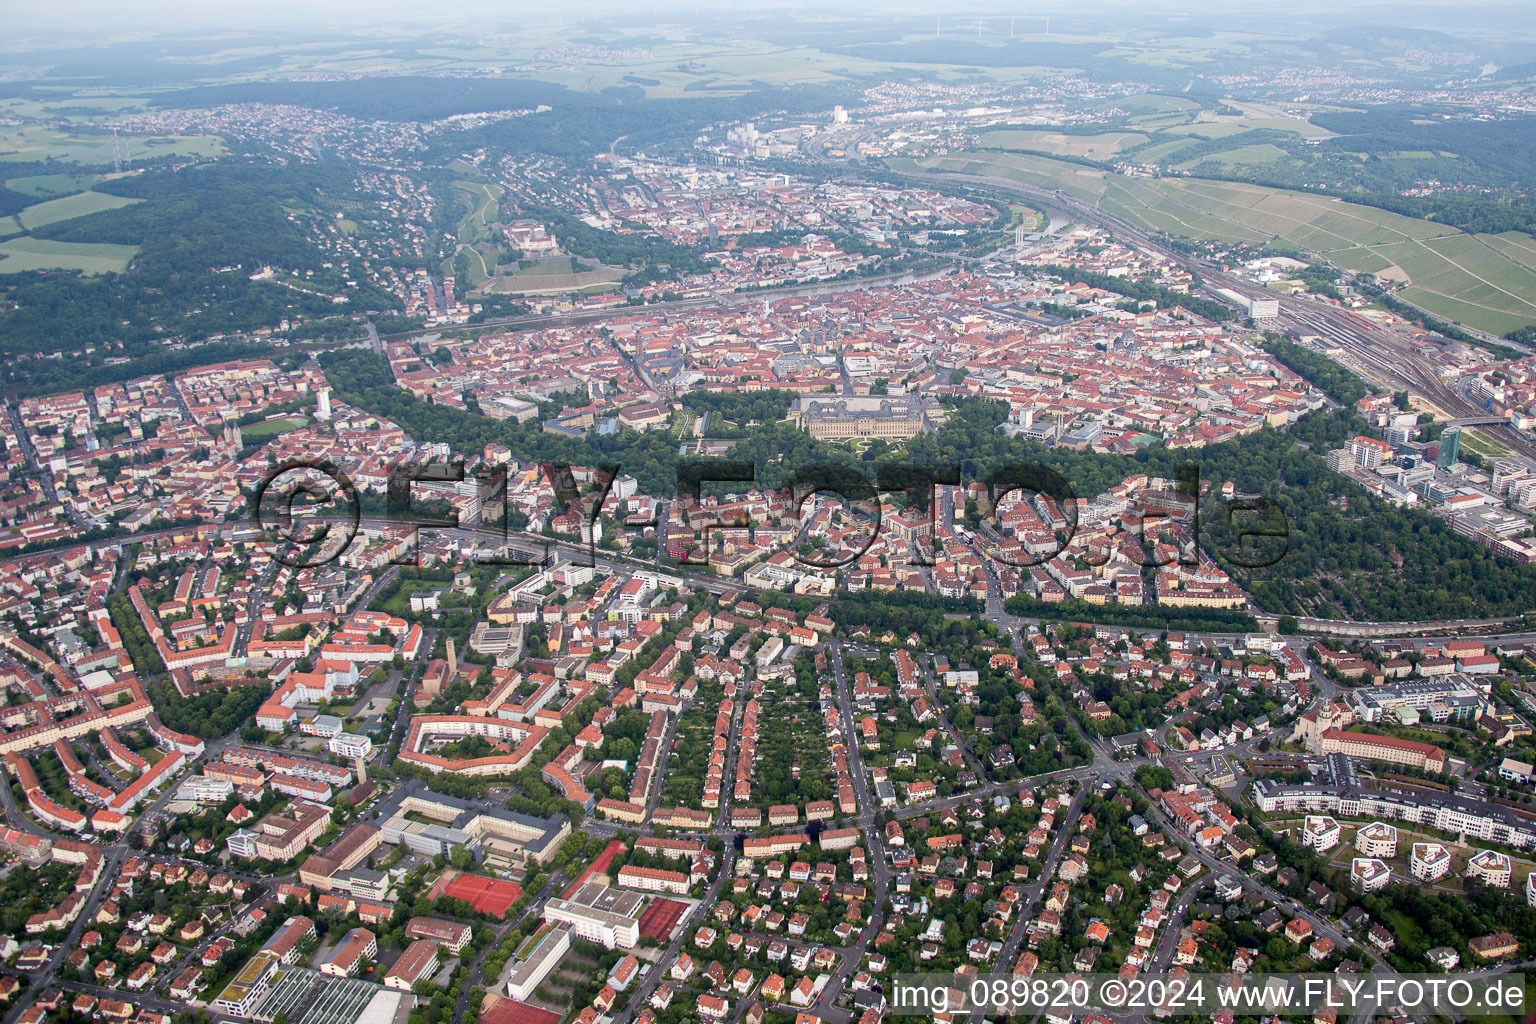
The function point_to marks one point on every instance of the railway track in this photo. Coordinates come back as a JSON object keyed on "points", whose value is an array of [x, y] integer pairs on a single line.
{"points": [[1377, 352]]}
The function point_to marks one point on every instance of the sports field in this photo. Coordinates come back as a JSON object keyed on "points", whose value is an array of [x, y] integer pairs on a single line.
{"points": [[661, 917], [1485, 281], [267, 428], [597, 867], [487, 895]]}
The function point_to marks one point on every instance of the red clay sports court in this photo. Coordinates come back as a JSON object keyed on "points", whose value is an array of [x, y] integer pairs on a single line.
{"points": [[487, 895], [510, 1011], [661, 917], [598, 866]]}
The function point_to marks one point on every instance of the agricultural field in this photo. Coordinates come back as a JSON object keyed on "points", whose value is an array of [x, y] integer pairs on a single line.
{"points": [[546, 279], [49, 186], [1093, 147], [1484, 281], [95, 146], [22, 254], [68, 207]]}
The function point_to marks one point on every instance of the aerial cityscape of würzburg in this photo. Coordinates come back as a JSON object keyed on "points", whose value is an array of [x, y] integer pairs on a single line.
{"points": [[773, 513]]}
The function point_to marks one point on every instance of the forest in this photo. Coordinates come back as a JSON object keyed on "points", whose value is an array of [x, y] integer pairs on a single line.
{"points": [[1380, 152], [1195, 620], [191, 222]]}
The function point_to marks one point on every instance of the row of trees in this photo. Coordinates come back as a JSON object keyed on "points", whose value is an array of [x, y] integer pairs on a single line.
{"points": [[1316, 369], [1144, 291]]}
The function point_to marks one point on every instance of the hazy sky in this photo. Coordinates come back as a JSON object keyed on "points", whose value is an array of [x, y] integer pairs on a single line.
{"points": [[84, 21]]}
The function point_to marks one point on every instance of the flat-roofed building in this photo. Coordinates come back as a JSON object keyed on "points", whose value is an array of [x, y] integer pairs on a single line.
{"points": [[1369, 874], [1377, 839], [204, 789], [1429, 861], [538, 954], [350, 745], [1491, 868], [1319, 832], [248, 987], [601, 914]]}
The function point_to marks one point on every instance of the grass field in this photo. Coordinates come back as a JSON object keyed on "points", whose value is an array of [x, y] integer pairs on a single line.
{"points": [[22, 254], [68, 207], [1483, 444], [1260, 153], [1485, 281], [40, 142], [47, 186], [267, 428], [1085, 183], [1093, 147], [474, 227]]}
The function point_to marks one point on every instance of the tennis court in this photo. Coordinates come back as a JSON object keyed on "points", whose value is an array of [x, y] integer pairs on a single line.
{"points": [[509, 1011], [661, 917], [487, 895]]}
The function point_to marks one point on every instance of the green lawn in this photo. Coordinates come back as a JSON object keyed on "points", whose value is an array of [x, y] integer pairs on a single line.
{"points": [[1093, 147], [267, 428]]}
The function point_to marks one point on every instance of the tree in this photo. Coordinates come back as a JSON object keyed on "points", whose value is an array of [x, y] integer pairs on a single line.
{"points": [[1154, 776]]}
